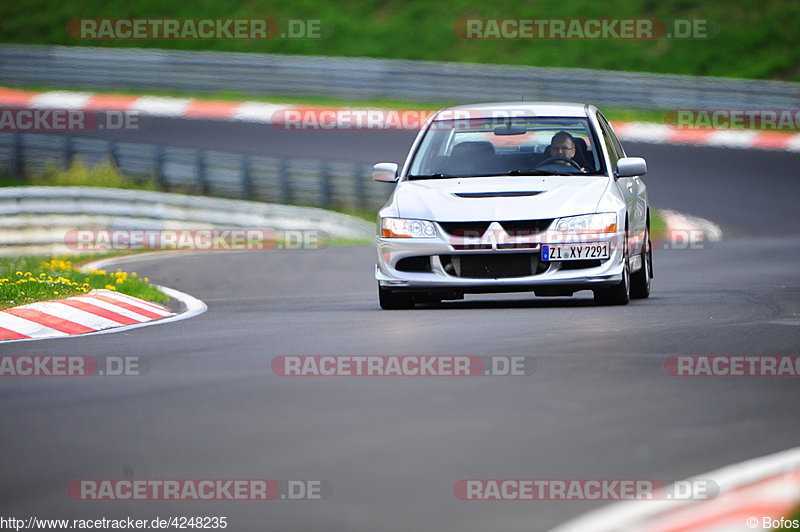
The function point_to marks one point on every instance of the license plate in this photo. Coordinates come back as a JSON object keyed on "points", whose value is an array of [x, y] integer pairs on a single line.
{"points": [[575, 251]]}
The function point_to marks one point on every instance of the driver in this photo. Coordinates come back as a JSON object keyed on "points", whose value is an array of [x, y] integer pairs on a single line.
{"points": [[563, 145]]}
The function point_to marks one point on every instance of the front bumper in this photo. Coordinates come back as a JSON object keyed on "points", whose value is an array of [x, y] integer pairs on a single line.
{"points": [[442, 278]]}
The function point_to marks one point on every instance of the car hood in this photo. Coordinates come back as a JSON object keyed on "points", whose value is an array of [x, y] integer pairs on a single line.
{"points": [[499, 198]]}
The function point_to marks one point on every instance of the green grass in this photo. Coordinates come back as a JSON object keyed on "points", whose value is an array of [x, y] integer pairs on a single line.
{"points": [[81, 175], [658, 226], [756, 38], [28, 279], [8, 181]]}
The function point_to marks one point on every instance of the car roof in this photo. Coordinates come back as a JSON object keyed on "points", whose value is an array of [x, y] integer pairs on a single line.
{"points": [[489, 110]]}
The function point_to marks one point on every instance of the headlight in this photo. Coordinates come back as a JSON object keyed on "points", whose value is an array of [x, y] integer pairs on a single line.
{"points": [[402, 228], [605, 222]]}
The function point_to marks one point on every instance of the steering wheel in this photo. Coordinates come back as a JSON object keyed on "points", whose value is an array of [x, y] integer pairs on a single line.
{"points": [[556, 158]]}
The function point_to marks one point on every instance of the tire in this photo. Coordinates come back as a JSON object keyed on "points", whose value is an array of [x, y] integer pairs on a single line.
{"points": [[621, 293], [640, 281], [394, 301]]}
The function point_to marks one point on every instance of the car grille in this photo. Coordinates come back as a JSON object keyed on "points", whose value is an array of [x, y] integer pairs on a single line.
{"points": [[512, 227], [525, 227], [493, 265], [471, 229]]}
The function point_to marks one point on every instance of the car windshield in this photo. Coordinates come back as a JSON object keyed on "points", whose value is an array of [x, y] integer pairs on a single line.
{"points": [[480, 147]]}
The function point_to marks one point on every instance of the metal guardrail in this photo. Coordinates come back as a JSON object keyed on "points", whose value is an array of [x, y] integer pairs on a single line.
{"points": [[207, 172], [349, 78], [37, 219]]}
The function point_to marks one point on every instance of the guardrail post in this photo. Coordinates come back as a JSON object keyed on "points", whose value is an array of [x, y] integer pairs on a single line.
{"points": [[247, 179], [200, 186], [158, 168], [113, 154], [286, 186], [325, 185], [69, 152], [17, 156], [360, 192]]}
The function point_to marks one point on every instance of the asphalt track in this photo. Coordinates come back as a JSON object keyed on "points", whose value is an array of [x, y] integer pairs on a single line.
{"points": [[599, 404]]}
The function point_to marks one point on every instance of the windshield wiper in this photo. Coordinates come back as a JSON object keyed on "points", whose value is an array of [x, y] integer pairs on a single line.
{"points": [[540, 172]]}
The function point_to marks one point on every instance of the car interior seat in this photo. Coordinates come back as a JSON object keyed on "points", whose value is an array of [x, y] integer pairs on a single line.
{"points": [[476, 157]]}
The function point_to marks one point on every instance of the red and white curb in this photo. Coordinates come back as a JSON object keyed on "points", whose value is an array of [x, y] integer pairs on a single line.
{"points": [[262, 112], [753, 495], [653, 133], [97, 312], [92, 312], [683, 228]]}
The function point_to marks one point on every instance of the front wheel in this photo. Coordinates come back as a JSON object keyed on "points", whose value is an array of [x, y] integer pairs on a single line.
{"points": [[393, 300], [621, 293]]}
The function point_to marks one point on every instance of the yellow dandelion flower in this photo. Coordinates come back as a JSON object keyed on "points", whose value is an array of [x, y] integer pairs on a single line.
{"points": [[18, 273], [110, 287], [56, 293], [28, 274]]}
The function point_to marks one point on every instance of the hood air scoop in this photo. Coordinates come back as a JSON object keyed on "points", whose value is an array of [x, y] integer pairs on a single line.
{"points": [[510, 194]]}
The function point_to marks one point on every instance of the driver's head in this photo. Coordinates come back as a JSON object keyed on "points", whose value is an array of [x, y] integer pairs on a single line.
{"points": [[562, 145]]}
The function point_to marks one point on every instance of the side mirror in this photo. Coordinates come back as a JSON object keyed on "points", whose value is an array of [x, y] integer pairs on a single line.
{"points": [[631, 166], [385, 172]]}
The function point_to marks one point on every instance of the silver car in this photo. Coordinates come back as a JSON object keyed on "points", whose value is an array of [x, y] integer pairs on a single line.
{"points": [[514, 197]]}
